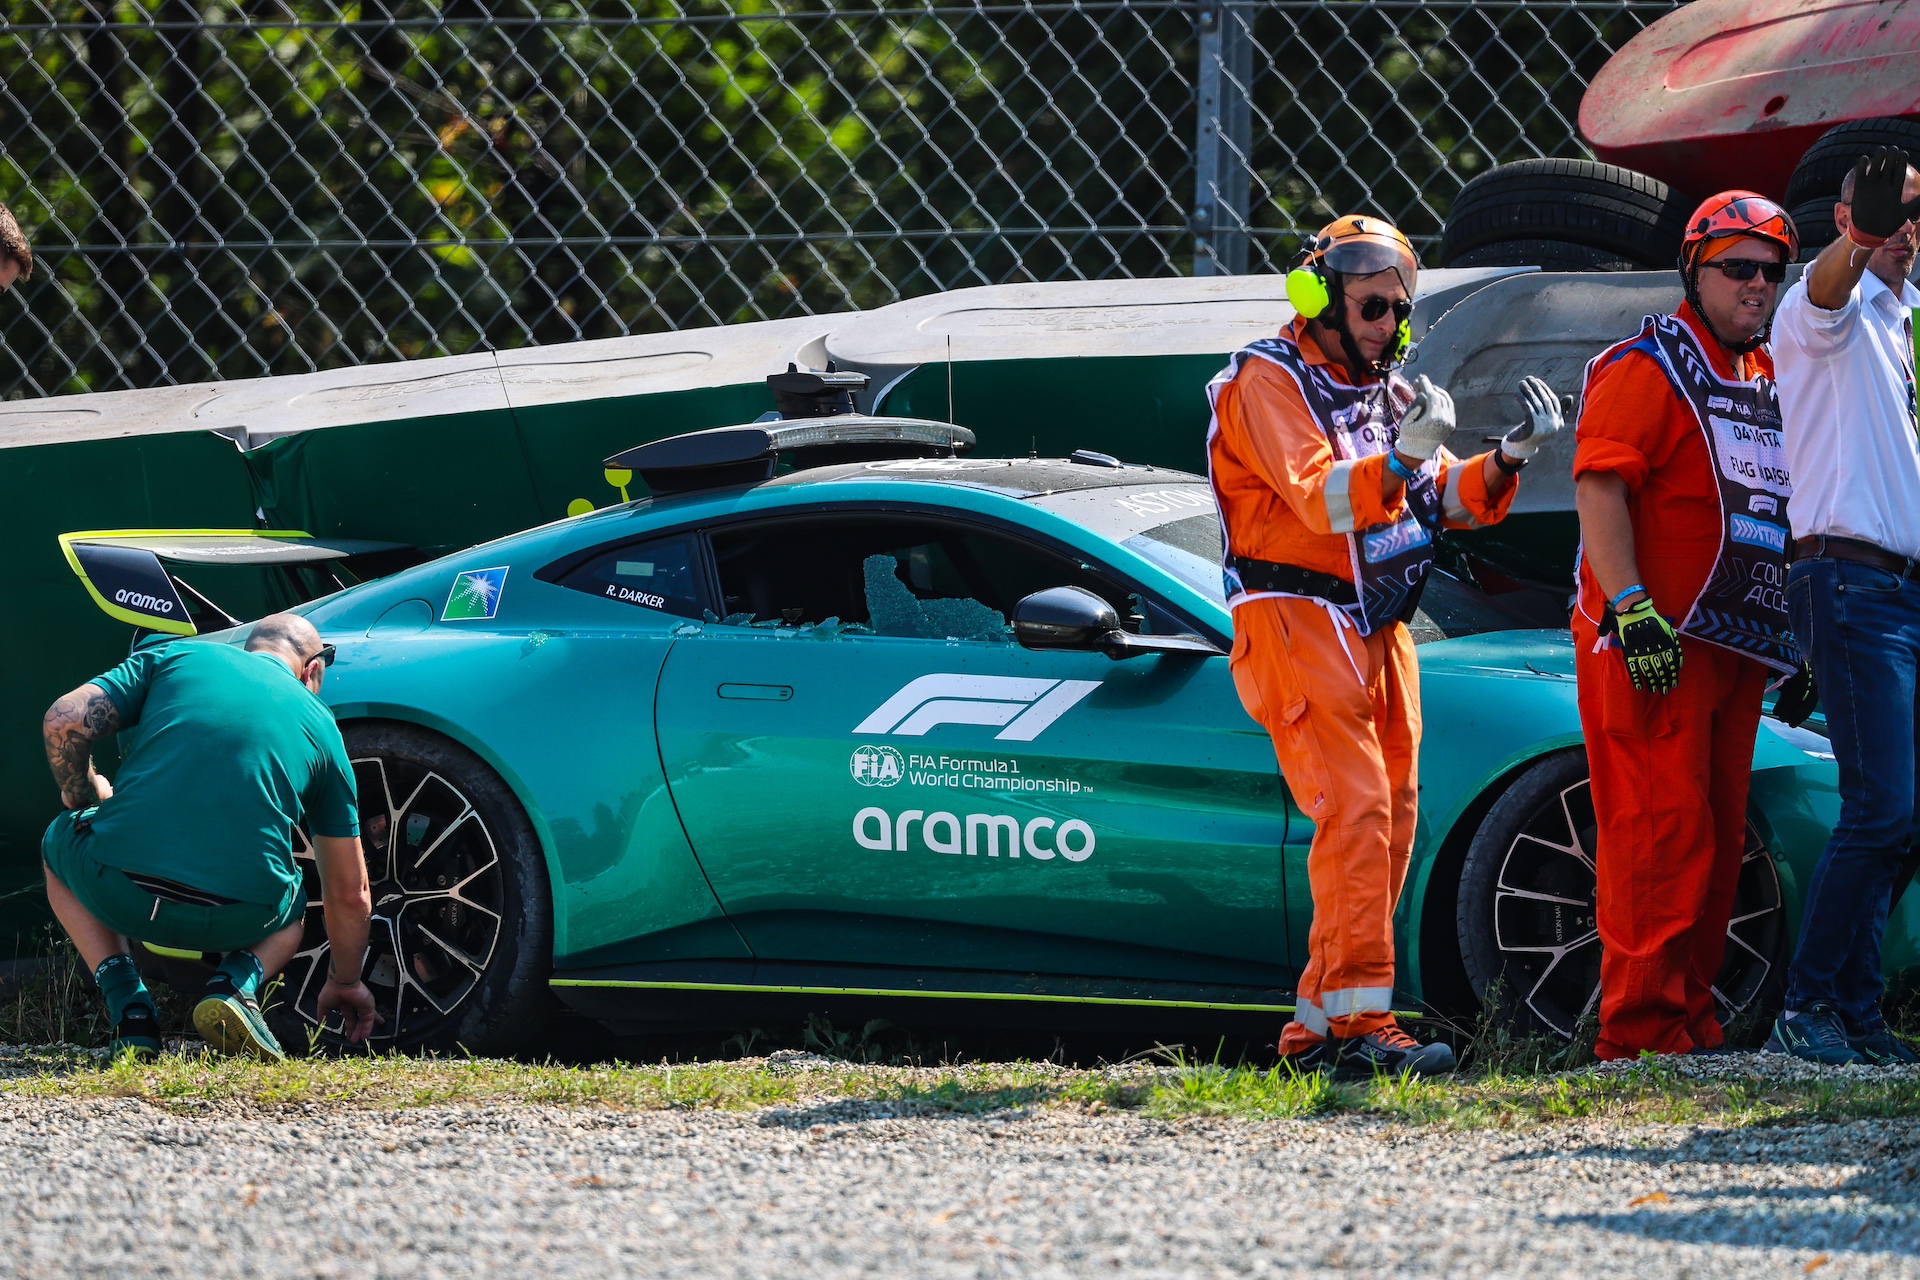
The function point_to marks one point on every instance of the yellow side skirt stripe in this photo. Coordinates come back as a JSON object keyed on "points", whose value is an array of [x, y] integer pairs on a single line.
{"points": [[929, 995]]}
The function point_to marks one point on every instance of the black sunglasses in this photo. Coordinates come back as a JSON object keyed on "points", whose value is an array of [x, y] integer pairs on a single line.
{"points": [[1744, 269], [1373, 308], [324, 657]]}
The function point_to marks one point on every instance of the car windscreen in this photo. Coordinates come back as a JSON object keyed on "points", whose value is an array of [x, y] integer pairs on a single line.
{"points": [[1177, 527], [1174, 525]]}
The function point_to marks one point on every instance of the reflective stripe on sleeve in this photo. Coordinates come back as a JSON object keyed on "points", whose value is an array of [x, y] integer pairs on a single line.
{"points": [[1309, 1015], [1352, 1000], [1450, 504], [1339, 499]]}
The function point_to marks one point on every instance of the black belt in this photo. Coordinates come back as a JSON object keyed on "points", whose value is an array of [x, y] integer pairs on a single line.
{"points": [[1823, 546], [1270, 575]]}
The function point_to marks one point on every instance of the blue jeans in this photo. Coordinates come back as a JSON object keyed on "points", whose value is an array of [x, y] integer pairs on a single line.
{"points": [[1860, 626]]}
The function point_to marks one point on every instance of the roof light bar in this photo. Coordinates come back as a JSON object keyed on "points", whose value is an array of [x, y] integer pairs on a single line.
{"points": [[747, 454]]}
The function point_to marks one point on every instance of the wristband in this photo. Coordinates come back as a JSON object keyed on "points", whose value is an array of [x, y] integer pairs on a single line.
{"points": [[1513, 466], [1400, 468], [335, 978], [1613, 604]]}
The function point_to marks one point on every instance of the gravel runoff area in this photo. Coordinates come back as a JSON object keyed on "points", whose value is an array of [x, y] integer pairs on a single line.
{"points": [[119, 1186]]}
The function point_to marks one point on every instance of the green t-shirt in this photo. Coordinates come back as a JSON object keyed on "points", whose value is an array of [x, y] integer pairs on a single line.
{"points": [[222, 752]]}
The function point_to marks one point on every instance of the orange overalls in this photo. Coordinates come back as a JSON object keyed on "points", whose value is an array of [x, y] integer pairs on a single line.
{"points": [[1343, 709], [1669, 770]]}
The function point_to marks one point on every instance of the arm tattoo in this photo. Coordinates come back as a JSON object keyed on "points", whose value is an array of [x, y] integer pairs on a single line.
{"points": [[72, 726]]}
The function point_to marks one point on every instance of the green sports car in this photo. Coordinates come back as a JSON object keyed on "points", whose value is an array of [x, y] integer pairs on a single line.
{"points": [[839, 712]]}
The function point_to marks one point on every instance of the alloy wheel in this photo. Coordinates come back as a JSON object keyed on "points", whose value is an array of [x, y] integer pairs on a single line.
{"points": [[1545, 929], [436, 876]]}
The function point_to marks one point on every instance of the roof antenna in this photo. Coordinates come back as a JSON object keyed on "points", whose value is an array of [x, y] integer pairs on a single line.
{"points": [[949, 379], [1033, 447]]}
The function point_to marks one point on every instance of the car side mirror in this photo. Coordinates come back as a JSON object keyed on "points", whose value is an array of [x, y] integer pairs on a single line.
{"points": [[1076, 619]]}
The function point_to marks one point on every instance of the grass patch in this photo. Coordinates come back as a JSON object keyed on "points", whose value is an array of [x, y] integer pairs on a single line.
{"points": [[1506, 1081], [191, 1081], [1172, 1089], [1649, 1093]]}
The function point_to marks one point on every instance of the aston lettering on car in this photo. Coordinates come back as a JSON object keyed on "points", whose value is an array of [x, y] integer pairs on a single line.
{"points": [[1160, 501]]}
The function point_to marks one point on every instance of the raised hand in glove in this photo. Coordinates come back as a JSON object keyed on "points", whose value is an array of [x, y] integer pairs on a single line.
{"points": [[1798, 697], [1543, 420], [1652, 649], [1428, 421], [1879, 180]]}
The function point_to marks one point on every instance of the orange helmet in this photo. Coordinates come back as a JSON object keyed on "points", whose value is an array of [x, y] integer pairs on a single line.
{"points": [[1738, 213], [1361, 246]]}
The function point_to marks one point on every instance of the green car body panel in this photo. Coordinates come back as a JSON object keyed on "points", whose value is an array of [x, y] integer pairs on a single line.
{"points": [[702, 794]]}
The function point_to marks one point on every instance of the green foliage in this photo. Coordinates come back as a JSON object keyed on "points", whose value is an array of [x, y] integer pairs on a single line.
{"points": [[1210, 1089], [820, 1036], [229, 190]]}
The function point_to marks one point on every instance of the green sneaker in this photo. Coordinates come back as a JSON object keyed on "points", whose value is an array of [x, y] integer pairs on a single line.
{"points": [[1814, 1035], [137, 1035], [232, 1024], [1883, 1049]]}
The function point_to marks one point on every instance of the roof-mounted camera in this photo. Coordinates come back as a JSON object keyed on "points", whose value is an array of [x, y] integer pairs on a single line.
{"points": [[803, 393]]}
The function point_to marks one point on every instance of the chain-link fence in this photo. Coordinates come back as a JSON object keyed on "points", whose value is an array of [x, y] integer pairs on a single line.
{"points": [[231, 188]]}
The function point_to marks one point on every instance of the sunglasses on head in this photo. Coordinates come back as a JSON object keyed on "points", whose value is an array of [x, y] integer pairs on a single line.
{"points": [[324, 656], [1372, 309], [1744, 269]]}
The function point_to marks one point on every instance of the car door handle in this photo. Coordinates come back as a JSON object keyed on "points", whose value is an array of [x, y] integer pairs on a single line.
{"points": [[758, 692]]}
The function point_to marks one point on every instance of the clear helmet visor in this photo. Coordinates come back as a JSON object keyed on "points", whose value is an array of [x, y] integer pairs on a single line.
{"points": [[1366, 257]]}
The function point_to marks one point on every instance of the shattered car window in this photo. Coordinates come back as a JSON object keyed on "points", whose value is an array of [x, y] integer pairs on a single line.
{"points": [[896, 611], [902, 576]]}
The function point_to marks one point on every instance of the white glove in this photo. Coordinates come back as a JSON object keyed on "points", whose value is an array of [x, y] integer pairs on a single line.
{"points": [[1427, 422], [1543, 419]]}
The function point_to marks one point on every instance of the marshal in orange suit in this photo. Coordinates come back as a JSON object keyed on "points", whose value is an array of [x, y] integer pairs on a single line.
{"points": [[1332, 481], [1681, 483]]}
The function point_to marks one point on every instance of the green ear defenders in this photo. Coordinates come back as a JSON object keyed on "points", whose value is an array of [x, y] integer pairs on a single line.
{"points": [[1402, 340], [1307, 289], [1310, 295]]}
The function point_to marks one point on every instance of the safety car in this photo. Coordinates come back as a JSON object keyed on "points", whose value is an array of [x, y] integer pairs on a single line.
{"points": [[841, 712]]}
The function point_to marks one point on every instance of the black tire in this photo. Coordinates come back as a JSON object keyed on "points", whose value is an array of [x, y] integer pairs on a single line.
{"points": [[462, 942], [1625, 215], [1525, 911], [1548, 255], [1814, 221], [1824, 166]]}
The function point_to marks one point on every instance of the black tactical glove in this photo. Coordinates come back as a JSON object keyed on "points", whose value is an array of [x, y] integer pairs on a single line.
{"points": [[1879, 180], [1798, 697], [1652, 649]]}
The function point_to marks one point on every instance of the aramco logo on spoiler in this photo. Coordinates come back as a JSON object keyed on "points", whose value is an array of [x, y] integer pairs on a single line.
{"points": [[877, 766]]}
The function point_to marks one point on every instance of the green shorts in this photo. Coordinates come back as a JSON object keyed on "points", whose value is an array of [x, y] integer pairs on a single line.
{"points": [[117, 901]]}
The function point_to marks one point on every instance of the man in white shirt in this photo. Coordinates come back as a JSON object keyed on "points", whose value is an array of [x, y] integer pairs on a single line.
{"points": [[1843, 351]]}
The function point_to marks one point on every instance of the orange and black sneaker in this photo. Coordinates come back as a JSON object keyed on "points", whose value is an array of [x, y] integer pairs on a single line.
{"points": [[1317, 1056], [1389, 1051]]}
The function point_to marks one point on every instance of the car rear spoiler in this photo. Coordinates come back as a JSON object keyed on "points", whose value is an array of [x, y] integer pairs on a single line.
{"points": [[125, 570]]}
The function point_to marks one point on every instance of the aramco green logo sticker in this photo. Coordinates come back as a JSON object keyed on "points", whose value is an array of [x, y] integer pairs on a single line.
{"points": [[475, 595], [877, 766]]}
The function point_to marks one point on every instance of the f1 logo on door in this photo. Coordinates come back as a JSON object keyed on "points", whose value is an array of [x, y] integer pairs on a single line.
{"points": [[1026, 706]]}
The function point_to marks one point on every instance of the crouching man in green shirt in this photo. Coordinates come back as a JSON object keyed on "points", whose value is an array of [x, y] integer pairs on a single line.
{"points": [[224, 750]]}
